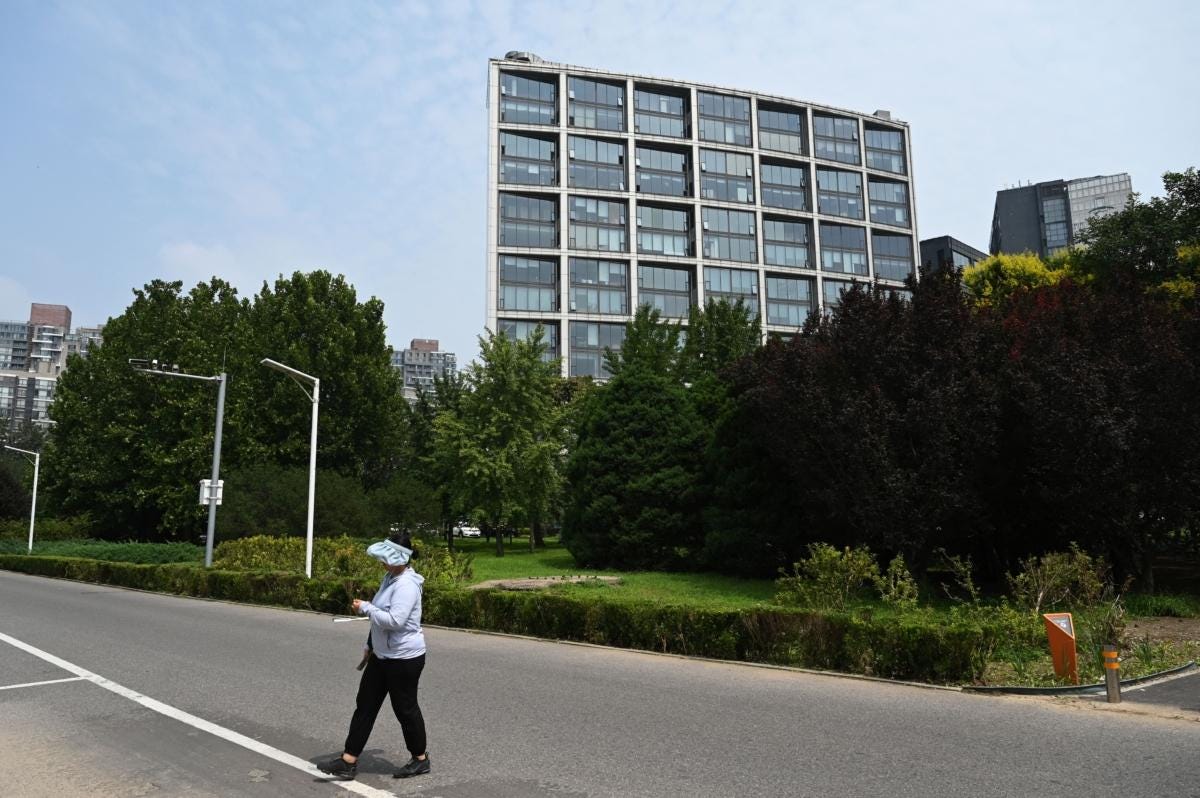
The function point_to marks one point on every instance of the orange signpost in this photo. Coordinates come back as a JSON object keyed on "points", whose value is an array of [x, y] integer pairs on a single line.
{"points": [[1060, 629]]}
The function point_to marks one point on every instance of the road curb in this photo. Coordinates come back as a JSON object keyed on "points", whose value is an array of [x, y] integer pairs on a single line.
{"points": [[765, 665], [1085, 689]]}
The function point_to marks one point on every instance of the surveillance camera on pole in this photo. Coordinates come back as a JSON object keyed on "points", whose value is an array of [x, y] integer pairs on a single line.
{"points": [[212, 496]]}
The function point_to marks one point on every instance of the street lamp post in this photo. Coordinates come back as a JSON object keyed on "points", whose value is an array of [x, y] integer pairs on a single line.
{"points": [[315, 398], [168, 370], [37, 459]]}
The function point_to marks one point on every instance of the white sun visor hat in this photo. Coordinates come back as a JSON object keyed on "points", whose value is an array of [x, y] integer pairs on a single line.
{"points": [[390, 553]]}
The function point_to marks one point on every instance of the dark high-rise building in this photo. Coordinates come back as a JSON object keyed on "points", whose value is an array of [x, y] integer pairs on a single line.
{"points": [[948, 250], [1045, 218], [608, 191]]}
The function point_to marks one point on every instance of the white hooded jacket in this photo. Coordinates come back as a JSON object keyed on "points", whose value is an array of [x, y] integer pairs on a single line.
{"points": [[395, 615]]}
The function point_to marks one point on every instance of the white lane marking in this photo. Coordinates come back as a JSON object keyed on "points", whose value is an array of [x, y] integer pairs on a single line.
{"points": [[38, 684], [228, 735]]}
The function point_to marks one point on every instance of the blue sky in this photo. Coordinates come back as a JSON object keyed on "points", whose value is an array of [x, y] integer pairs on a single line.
{"points": [[185, 139]]}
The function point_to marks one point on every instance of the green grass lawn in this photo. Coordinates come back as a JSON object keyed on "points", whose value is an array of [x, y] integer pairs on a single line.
{"points": [[698, 589]]}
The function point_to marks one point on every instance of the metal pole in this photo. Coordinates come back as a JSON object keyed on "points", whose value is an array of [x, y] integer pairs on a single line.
{"points": [[1112, 674], [312, 476], [216, 475], [37, 459]]}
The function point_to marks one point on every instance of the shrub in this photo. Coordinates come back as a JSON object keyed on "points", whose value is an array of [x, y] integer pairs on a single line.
{"points": [[1060, 580], [71, 528], [913, 645], [828, 578], [897, 586], [145, 553], [335, 558], [1163, 604]]}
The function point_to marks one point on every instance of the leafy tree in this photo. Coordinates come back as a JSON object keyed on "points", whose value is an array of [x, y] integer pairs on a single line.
{"points": [[273, 500], [870, 428], [14, 498], [718, 336], [634, 474], [504, 441], [993, 281], [314, 322], [129, 448], [1147, 243], [649, 343]]}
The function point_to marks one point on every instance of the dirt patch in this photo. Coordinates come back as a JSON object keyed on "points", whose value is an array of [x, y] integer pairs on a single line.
{"points": [[1163, 629], [541, 582]]}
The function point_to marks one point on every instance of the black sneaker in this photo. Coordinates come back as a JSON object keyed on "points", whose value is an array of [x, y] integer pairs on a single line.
{"points": [[339, 768], [415, 767]]}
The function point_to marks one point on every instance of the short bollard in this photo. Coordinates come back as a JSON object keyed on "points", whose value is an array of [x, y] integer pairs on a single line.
{"points": [[1112, 674]]}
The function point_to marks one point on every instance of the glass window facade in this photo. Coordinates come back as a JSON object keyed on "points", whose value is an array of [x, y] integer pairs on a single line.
{"points": [[835, 138], [724, 119], [527, 100], [729, 235], [588, 342], [528, 283], [599, 286], [843, 249], [789, 300], [666, 288], [596, 163], [784, 185], [781, 129], [1054, 218], [786, 243], [889, 202], [595, 104], [732, 285], [664, 231], [597, 224], [892, 256], [885, 150], [726, 176], [528, 221], [832, 291], [529, 160], [520, 330], [839, 193], [660, 113], [661, 171]]}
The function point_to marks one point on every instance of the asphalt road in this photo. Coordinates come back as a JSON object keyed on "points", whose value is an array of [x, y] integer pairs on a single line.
{"points": [[508, 717]]}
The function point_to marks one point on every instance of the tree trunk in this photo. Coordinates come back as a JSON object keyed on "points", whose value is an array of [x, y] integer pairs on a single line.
{"points": [[450, 536], [537, 536]]}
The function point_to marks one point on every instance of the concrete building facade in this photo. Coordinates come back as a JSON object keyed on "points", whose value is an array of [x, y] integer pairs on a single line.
{"points": [[421, 363], [33, 354], [607, 191], [948, 251], [1048, 217]]}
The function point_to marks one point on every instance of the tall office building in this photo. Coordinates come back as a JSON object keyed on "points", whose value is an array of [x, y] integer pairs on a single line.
{"points": [[420, 363], [607, 191], [1047, 217]]}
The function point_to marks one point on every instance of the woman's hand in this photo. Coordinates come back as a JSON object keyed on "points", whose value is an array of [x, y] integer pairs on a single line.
{"points": [[357, 606]]}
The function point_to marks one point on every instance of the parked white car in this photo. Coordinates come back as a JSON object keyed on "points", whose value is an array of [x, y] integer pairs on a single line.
{"points": [[466, 531]]}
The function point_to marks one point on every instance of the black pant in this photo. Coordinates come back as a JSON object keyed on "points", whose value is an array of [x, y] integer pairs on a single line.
{"points": [[397, 678]]}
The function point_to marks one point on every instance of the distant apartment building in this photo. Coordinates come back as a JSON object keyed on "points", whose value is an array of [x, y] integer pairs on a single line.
{"points": [[607, 191], [33, 354], [420, 363], [942, 251], [1048, 217]]}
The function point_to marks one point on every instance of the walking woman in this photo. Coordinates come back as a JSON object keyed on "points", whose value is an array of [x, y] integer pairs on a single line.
{"points": [[395, 656]]}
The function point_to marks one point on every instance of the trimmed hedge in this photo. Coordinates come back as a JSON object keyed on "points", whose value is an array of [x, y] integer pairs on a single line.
{"points": [[919, 647]]}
